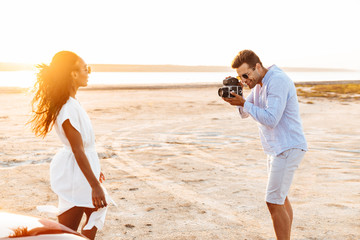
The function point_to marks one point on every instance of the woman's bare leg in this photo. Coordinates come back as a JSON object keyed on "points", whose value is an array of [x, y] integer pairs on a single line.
{"points": [[92, 232], [72, 217]]}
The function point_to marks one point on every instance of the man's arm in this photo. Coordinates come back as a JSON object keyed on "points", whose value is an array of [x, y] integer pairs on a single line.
{"points": [[270, 115]]}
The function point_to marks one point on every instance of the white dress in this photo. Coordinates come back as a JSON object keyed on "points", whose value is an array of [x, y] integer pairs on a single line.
{"points": [[67, 180]]}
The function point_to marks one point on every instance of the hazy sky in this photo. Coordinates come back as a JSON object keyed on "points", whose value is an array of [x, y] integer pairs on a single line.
{"points": [[307, 33]]}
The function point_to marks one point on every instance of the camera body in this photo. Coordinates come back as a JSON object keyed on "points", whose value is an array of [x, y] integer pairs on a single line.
{"points": [[231, 84]]}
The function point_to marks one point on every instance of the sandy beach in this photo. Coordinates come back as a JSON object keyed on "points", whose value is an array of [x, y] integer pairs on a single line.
{"points": [[182, 165]]}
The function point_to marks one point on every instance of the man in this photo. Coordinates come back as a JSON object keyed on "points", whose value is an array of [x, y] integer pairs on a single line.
{"points": [[274, 105]]}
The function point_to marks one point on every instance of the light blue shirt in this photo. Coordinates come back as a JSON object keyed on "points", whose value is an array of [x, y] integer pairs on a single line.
{"points": [[275, 108]]}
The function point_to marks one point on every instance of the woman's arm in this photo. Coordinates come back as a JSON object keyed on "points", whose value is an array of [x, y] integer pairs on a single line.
{"points": [[75, 140]]}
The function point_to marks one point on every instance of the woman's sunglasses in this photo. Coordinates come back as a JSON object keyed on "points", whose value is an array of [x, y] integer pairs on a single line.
{"points": [[88, 69]]}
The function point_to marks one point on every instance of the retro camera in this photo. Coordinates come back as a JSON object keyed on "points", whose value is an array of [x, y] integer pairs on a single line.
{"points": [[231, 84]]}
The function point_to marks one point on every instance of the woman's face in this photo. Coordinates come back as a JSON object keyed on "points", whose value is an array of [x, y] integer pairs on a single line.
{"points": [[81, 75]]}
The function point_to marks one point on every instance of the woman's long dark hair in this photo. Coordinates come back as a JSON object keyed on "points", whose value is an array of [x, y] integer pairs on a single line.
{"points": [[52, 90]]}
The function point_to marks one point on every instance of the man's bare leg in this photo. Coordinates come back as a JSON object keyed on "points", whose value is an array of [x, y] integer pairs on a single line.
{"points": [[289, 210], [281, 219]]}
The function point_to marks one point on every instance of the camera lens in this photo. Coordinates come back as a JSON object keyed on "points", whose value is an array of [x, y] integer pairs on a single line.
{"points": [[220, 92], [223, 92]]}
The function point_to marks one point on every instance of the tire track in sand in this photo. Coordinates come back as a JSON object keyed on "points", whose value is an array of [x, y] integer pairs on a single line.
{"points": [[162, 183]]}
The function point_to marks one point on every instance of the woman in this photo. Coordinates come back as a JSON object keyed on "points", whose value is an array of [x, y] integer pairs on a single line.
{"points": [[75, 170]]}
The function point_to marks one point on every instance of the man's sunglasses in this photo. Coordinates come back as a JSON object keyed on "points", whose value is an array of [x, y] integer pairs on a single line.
{"points": [[246, 75]]}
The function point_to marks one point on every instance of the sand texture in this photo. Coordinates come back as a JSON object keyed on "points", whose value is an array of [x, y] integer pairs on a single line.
{"points": [[182, 164]]}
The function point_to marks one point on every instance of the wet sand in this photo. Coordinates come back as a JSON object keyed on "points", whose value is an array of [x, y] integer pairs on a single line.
{"points": [[181, 164]]}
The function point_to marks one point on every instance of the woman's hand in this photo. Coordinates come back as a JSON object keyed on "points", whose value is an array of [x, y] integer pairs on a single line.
{"points": [[102, 177], [98, 197], [75, 140]]}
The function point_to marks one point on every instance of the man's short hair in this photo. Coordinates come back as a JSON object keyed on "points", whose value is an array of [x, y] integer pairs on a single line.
{"points": [[246, 56]]}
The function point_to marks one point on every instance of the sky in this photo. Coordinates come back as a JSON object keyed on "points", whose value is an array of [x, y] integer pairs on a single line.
{"points": [[315, 33]]}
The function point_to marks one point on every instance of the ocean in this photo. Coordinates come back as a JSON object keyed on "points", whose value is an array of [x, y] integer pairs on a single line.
{"points": [[27, 78]]}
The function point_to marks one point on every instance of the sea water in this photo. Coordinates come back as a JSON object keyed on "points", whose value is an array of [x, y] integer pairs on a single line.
{"points": [[27, 78]]}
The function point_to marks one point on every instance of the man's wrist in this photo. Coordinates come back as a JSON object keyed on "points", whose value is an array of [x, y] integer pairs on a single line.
{"points": [[243, 104]]}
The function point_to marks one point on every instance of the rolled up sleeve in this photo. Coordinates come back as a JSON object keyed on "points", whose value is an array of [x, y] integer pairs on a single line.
{"points": [[271, 114]]}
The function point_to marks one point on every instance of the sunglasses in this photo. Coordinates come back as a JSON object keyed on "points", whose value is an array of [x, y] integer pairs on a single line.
{"points": [[246, 75], [88, 69]]}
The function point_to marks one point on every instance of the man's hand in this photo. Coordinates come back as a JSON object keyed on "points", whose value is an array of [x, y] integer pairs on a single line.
{"points": [[235, 101]]}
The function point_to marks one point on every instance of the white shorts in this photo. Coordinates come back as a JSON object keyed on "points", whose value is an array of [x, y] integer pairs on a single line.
{"points": [[281, 169]]}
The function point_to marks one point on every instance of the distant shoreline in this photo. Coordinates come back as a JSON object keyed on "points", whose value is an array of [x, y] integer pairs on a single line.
{"points": [[197, 85], [163, 68], [169, 86]]}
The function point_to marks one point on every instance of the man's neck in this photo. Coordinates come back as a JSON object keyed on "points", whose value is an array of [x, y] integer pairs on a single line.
{"points": [[262, 75], [264, 72]]}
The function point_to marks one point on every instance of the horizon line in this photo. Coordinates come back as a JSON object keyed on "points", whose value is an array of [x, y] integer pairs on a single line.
{"points": [[114, 67]]}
